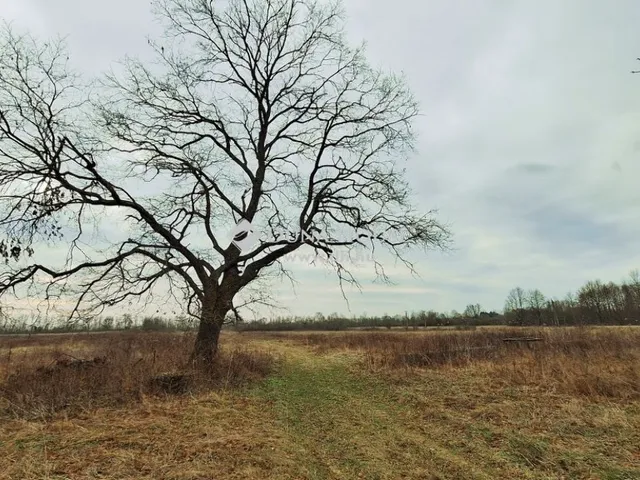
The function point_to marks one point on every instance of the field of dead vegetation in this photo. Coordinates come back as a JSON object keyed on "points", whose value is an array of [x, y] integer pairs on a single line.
{"points": [[490, 403]]}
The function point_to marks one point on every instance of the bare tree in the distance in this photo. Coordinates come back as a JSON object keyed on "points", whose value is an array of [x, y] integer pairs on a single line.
{"points": [[259, 111]]}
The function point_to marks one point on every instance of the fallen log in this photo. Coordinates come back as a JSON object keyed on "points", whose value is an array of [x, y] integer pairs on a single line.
{"points": [[69, 361], [523, 339], [172, 383]]}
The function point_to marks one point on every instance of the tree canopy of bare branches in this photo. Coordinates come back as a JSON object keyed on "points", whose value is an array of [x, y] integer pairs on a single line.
{"points": [[259, 112]]}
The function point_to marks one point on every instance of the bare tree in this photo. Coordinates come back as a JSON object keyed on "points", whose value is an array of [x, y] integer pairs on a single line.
{"points": [[473, 311], [516, 305], [632, 293], [258, 115], [592, 302], [535, 302], [553, 310]]}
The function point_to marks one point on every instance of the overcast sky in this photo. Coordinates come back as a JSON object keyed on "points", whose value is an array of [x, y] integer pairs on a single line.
{"points": [[529, 139]]}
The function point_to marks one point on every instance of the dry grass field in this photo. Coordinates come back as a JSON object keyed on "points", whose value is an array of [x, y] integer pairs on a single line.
{"points": [[371, 405]]}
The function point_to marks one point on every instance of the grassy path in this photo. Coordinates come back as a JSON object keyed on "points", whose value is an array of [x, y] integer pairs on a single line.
{"points": [[346, 425], [342, 424]]}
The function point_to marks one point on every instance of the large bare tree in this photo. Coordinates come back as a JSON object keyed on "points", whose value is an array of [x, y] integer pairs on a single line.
{"points": [[258, 114]]}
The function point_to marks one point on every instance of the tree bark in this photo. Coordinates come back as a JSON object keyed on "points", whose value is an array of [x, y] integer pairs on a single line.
{"points": [[211, 321]]}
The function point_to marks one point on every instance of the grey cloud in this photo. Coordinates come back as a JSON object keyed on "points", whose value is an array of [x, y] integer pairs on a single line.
{"points": [[533, 168], [527, 108]]}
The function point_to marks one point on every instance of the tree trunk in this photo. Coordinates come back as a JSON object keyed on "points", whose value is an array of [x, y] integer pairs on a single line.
{"points": [[206, 346]]}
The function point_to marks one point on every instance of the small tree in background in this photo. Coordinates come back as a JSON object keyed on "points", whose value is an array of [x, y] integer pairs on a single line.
{"points": [[472, 311]]}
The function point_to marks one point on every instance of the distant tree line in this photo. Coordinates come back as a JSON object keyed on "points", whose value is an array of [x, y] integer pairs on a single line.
{"points": [[596, 303], [25, 324], [334, 321]]}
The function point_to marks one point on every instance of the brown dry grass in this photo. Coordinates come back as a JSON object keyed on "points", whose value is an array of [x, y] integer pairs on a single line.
{"points": [[46, 375], [343, 408], [585, 361], [209, 436]]}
